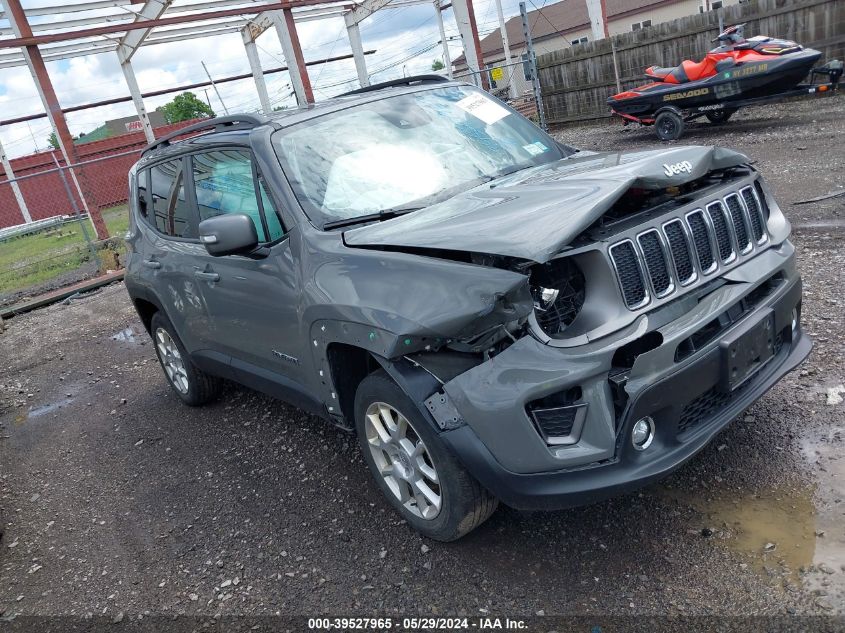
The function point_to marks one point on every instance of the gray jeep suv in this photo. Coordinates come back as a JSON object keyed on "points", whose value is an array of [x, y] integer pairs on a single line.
{"points": [[496, 315]]}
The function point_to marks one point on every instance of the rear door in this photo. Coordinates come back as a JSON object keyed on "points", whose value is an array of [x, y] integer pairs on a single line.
{"points": [[168, 245], [253, 303]]}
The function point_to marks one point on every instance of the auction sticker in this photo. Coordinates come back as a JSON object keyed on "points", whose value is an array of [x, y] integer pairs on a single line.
{"points": [[482, 108]]}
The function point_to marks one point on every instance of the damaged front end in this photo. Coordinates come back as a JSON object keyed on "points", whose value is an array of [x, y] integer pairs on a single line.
{"points": [[613, 323]]}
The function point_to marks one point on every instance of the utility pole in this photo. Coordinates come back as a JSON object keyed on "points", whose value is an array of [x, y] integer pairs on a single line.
{"points": [[216, 91], [506, 47], [532, 64]]}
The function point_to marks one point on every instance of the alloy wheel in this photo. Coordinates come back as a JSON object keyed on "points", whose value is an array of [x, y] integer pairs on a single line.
{"points": [[171, 360], [403, 461]]}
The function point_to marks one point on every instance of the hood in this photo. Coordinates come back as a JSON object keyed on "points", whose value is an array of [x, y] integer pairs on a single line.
{"points": [[535, 213]]}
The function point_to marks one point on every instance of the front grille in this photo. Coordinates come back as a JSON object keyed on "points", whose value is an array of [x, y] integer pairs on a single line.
{"points": [[738, 218], [701, 239], [720, 228], [705, 406], [689, 247], [679, 247], [754, 213], [631, 280], [656, 263]]}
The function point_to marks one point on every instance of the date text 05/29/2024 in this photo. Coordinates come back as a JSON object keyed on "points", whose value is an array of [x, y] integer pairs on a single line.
{"points": [[417, 624]]}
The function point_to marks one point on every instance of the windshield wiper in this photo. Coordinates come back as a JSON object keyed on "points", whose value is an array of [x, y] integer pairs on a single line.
{"points": [[416, 205], [384, 214]]}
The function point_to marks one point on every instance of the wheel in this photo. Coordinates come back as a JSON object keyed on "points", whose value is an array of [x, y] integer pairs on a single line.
{"points": [[416, 472], [717, 117], [190, 383], [669, 126]]}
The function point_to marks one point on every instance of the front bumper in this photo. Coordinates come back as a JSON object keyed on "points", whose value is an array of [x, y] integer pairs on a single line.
{"points": [[534, 476]]}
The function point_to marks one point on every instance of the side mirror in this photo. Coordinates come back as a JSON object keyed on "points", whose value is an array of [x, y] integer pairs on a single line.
{"points": [[229, 234]]}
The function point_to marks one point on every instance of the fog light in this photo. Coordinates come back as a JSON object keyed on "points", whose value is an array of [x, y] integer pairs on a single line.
{"points": [[643, 433], [794, 320]]}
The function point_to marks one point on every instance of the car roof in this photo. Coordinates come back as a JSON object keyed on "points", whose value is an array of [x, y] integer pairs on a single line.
{"points": [[236, 128]]}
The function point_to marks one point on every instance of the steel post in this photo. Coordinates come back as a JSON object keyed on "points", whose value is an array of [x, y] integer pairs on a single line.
{"points": [[447, 57], [532, 63], [137, 99], [286, 30], [257, 73], [506, 48], [16, 190], [18, 20], [357, 46]]}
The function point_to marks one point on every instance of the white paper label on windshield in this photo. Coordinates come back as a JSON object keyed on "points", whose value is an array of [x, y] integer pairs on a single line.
{"points": [[535, 148], [483, 108]]}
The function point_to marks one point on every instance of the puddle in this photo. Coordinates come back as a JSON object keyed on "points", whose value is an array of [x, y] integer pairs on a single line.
{"points": [[46, 409], [43, 410], [827, 454], [796, 533], [776, 530], [129, 335], [820, 224]]}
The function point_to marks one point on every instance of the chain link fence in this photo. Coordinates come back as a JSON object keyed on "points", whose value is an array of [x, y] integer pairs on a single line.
{"points": [[48, 238]]}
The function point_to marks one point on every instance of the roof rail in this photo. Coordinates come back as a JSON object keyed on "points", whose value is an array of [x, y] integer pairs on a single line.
{"points": [[416, 80], [235, 121]]}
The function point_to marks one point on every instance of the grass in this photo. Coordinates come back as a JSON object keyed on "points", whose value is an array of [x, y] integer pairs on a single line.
{"points": [[41, 257]]}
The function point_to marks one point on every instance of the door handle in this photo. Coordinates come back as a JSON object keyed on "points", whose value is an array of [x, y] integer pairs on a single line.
{"points": [[206, 276], [151, 263]]}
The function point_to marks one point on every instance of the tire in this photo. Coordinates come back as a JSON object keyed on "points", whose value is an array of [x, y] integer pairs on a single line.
{"points": [[193, 386], [718, 117], [463, 503], [669, 126]]}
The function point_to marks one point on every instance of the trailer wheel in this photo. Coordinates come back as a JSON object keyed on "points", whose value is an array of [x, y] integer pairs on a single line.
{"points": [[717, 117], [669, 126]]}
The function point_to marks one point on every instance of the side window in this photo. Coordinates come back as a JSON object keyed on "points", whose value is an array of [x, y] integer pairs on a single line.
{"points": [[226, 181], [141, 184], [171, 213]]}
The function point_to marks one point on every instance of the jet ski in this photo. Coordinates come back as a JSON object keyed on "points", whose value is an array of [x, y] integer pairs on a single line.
{"points": [[738, 72]]}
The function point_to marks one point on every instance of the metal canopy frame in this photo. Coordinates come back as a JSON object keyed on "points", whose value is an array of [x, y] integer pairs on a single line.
{"points": [[122, 27]]}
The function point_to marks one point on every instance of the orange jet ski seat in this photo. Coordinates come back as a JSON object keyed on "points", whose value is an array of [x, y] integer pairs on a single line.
{"points": [[687, 71]]}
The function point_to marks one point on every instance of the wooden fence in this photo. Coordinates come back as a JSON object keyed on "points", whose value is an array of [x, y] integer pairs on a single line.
{"points": [[577, 81]]}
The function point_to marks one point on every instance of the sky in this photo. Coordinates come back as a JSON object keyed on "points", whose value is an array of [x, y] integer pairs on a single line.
{"points": [[406, 40]]}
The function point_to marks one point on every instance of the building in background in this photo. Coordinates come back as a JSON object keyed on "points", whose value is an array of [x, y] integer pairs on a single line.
{"points": [[567, 23], [129, 124]]}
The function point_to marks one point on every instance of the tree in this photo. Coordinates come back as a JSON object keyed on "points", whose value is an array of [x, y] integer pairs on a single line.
{"points": [[186, 106], [53, 140], [437, 65]]}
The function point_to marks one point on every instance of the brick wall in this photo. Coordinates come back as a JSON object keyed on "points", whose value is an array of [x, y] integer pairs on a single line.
{"points": [[104, 183]]}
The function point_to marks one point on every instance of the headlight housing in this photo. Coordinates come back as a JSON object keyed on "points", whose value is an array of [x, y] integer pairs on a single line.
{"points": [[558, 289]]}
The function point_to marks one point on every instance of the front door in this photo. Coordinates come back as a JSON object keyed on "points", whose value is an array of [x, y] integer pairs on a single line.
{"points": [[252, 303]]}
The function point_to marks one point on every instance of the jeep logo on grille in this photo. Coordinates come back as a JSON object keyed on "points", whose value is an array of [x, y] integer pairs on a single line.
{"points": [[677, 168]]}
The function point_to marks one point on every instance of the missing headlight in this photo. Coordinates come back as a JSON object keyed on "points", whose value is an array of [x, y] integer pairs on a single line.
{"points": [[558, 291]]}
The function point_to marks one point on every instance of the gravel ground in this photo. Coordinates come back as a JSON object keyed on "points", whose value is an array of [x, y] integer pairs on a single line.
{"points": [[120, 500]]}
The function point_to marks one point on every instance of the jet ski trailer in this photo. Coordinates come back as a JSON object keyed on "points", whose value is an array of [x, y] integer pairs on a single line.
{"points": [[742, 73]]}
